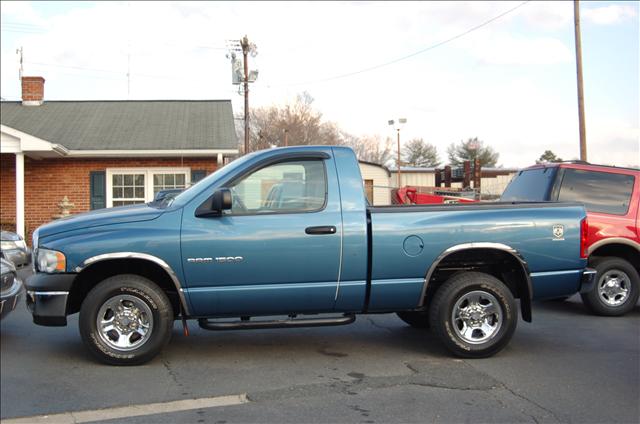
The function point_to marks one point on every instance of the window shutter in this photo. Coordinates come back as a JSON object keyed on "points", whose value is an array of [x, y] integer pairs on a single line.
{"points": [[197, 175], [98, 189]]}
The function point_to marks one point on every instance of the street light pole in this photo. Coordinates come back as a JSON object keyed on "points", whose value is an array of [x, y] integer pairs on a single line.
{"points": [[400, 122]]}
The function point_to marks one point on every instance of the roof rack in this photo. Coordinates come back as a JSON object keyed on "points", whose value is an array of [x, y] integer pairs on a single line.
{"points": [[581, 162]]}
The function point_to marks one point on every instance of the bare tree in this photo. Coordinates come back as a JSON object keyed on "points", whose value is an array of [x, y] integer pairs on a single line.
{"points": [[304, 126], [371, 148]]}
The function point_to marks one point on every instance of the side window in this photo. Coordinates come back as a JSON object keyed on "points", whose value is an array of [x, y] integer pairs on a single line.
{"points": [[285, 187], [599, 191]]}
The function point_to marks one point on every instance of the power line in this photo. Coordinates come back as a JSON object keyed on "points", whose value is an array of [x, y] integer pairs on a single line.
{"points": [[25, 31], [75, 67], [22, 24], [426, 49], [121, 73], [269, 86], [36, 29], [23, 28]]}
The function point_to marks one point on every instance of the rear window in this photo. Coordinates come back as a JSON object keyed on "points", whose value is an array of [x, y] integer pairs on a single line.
{"points": [[599, 191], [530, 185]]}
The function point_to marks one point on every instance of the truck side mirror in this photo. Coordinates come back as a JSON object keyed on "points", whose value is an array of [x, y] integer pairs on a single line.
{"points": [[220, 201]]}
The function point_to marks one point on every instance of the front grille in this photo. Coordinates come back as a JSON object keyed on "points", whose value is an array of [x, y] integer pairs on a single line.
{"points": [[6, 281]]}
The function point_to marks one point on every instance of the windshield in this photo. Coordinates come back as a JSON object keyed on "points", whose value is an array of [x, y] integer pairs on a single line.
{"points": [[532, 185]]}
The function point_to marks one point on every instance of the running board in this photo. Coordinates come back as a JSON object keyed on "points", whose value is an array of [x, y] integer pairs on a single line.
{"points": [[246, 324]]}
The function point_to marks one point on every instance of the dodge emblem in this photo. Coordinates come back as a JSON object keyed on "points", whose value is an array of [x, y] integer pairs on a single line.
{"points": [[558, 232]]}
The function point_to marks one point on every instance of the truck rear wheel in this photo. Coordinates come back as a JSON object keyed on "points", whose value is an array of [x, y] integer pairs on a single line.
{"points": [[617, 287], [474, 314], [126, 320]]}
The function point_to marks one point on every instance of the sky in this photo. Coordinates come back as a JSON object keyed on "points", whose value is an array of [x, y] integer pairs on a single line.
{"points": [[451, 69]]}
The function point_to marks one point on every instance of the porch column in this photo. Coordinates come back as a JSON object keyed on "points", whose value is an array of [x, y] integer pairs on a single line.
{"points": [[220, 160], [20, 194]]}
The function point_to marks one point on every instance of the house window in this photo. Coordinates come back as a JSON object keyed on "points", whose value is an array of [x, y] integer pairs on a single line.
{"points": [[133, 186], [127, 189], [169, 180]]}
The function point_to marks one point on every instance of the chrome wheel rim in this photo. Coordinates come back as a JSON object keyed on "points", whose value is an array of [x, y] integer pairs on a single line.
{"points": [[124, 323], [614, 287], [477, 317]]}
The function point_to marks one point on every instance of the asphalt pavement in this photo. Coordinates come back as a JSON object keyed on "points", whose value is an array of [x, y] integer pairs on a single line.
{"points": [[566, 366]]}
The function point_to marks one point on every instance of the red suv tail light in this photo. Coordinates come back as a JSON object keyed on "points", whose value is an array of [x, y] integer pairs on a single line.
{"points": [[584, 232]]}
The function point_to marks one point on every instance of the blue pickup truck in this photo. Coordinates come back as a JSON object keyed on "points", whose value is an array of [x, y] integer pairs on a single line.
{"points": [[286, 238]]}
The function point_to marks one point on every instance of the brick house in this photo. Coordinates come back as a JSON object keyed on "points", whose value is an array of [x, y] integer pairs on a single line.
{"points": [[103, 153]]}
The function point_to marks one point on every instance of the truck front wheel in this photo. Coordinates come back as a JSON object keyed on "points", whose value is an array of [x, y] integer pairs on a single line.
{"points": [[474, 314], [126, 320]]}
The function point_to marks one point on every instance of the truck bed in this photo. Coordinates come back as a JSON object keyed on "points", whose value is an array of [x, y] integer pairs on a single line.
{"points": [[402, 249]]}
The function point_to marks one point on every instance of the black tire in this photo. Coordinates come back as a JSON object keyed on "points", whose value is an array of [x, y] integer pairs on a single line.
{"points": [[414, 318], [139, 299], [463, 287], [608, 268]]}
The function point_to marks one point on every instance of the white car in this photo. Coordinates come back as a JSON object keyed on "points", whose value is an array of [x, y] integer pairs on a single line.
{"points": [[14, 249], [10, 288]]}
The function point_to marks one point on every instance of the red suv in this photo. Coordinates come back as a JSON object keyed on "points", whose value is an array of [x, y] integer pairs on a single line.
{"points": [[611, 196]]}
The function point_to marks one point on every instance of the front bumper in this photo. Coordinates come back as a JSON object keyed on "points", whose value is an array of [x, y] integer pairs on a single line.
{"points": [[10, 298], [588, 280], [47, 298]]}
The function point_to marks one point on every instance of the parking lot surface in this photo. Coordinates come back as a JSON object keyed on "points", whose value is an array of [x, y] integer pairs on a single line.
{"points": [[566, 366]]}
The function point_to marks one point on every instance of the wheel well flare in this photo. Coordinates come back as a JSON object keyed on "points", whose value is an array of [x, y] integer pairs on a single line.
{"points": [[502, 262], [94, 272], [618, 250]]}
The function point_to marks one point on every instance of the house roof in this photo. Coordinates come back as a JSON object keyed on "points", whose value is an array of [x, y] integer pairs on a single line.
{"points": [[127, 125], [413, 169], [376, 164], [428, 170]]}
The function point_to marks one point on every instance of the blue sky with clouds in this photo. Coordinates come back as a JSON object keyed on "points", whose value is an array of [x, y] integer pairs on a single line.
{"points": [[511, 83]]}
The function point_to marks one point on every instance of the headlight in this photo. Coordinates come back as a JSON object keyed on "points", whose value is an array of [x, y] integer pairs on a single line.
{"points": [[51, 261], [8, 245], [13, 245]]}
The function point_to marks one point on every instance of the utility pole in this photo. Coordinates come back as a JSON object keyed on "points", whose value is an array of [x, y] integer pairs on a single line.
{"points": [[245, 53], [286, 137], [583, 130], [241, 76]]}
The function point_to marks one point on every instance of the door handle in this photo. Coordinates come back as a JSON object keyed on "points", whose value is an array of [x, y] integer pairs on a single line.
{"points": [[323, 229]]}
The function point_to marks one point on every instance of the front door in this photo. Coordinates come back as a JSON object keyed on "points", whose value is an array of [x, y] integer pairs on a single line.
{"points": [[276, 252]]}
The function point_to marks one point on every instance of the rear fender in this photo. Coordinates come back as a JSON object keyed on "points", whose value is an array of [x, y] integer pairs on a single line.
{"points": [[524, 286]]}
